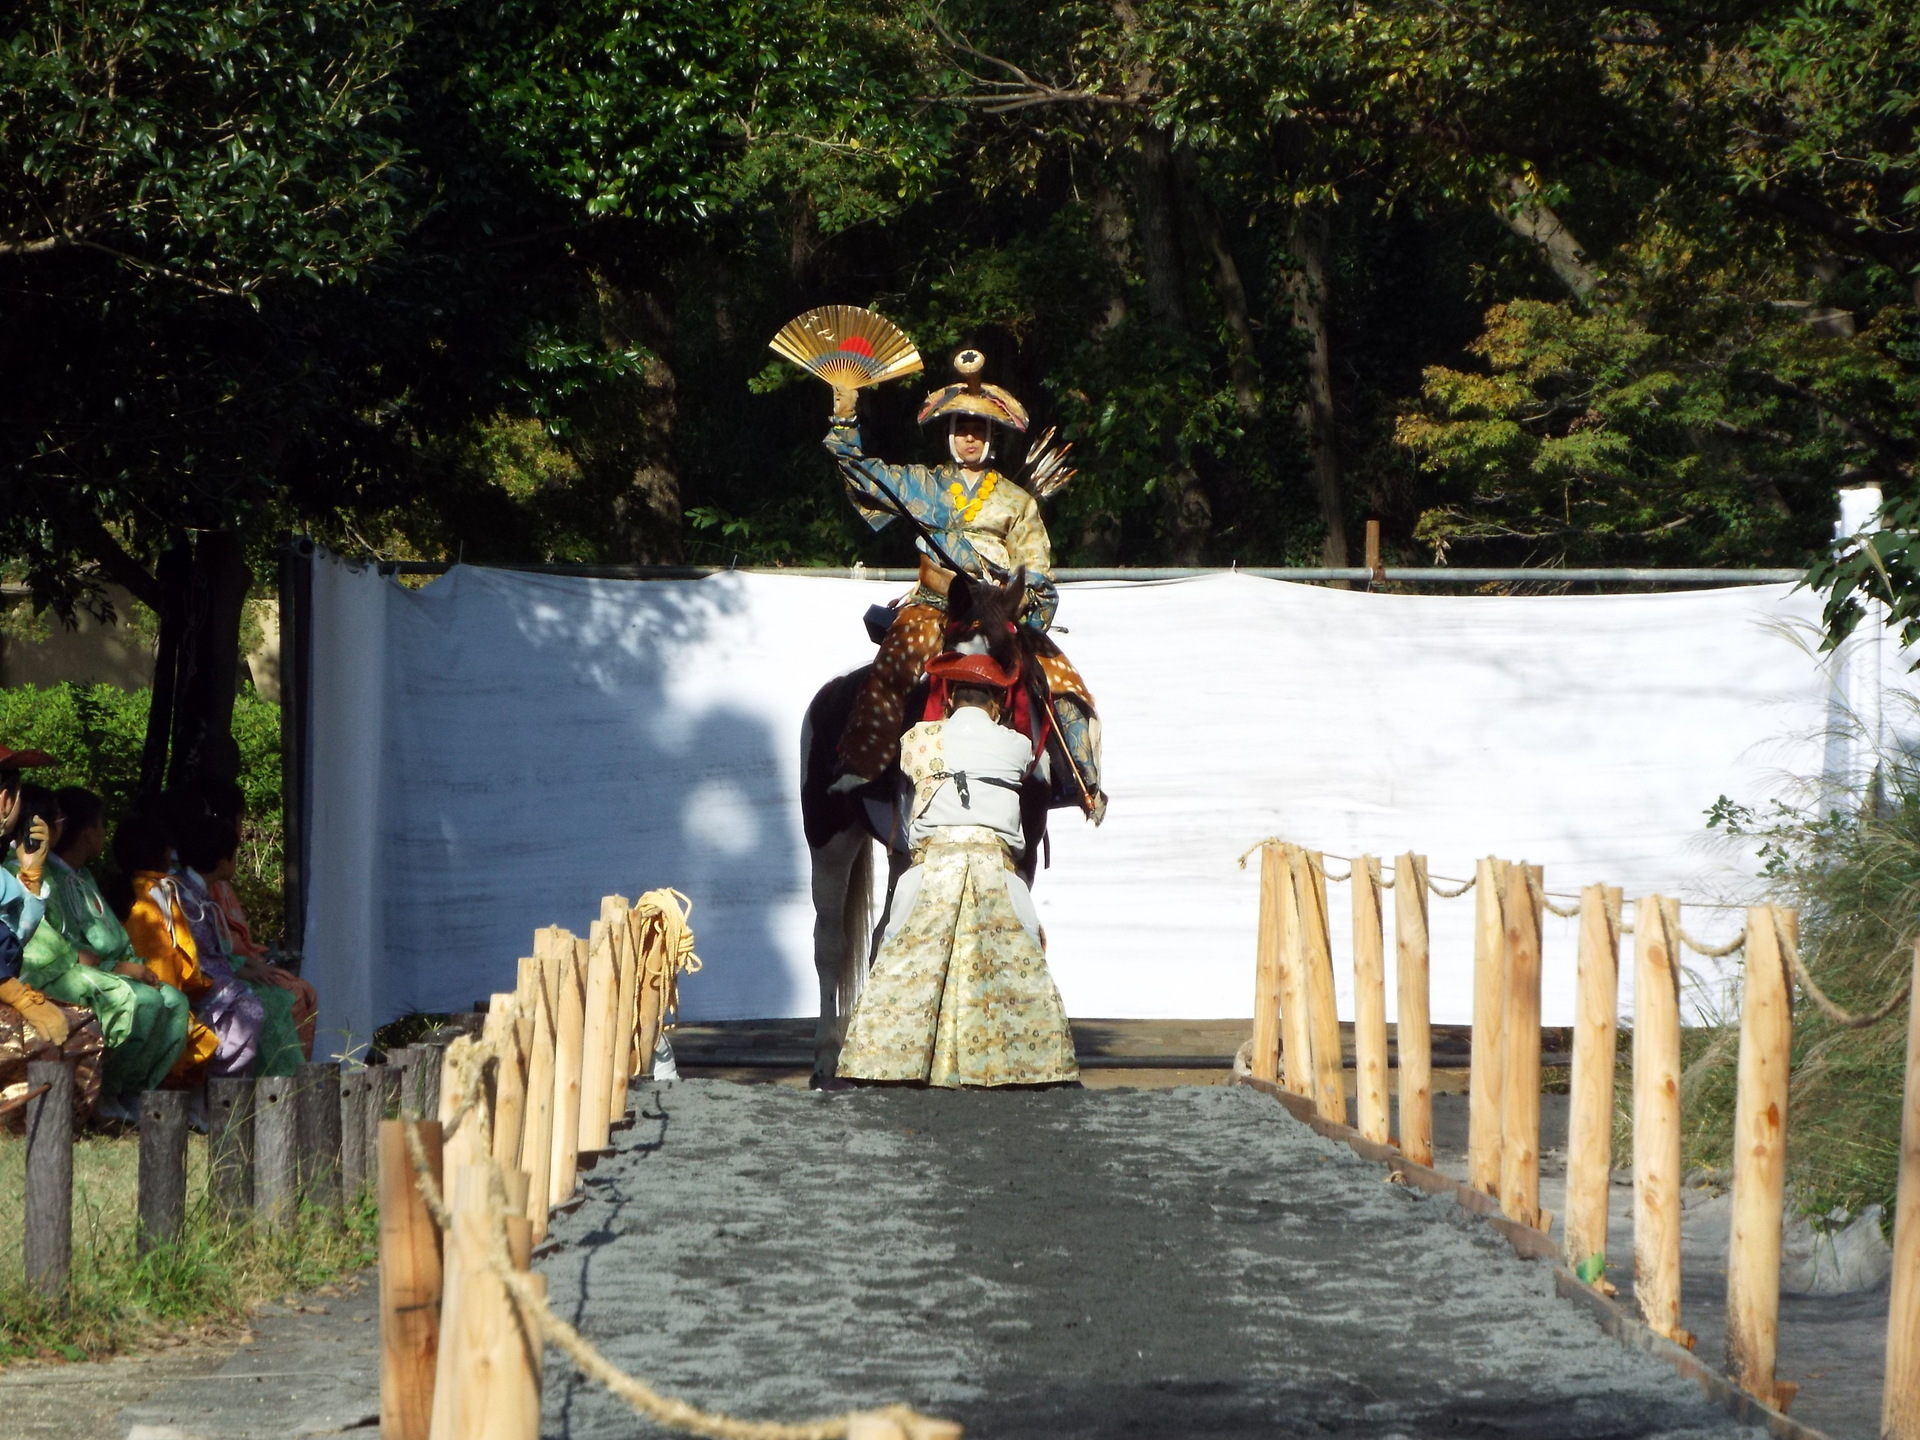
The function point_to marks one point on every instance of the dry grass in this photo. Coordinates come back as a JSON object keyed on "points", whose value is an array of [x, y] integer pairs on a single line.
{"points": [[208, 1282]]}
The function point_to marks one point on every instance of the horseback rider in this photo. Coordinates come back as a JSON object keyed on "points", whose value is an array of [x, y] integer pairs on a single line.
{"points": [[975, 517]]}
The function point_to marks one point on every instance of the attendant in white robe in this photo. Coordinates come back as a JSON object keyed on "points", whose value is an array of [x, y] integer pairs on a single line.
{"points": [[960, 993]]}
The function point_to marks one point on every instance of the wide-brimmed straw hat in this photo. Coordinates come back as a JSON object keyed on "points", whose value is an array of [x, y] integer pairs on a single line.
{"points": [[957, 669]]}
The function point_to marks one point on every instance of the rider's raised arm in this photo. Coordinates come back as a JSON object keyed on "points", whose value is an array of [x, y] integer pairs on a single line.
{"points": [[865, 477], [1028, 545]]}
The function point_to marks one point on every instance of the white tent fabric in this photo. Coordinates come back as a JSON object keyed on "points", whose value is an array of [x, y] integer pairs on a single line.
{"points": [[495, 751]]}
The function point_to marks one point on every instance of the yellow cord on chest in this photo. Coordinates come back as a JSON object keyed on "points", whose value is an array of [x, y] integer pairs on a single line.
{"points": [[969, 510]]}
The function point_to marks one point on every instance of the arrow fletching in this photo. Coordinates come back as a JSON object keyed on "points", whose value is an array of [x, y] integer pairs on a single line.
{"points": [[1047, 468], [845, 345]]}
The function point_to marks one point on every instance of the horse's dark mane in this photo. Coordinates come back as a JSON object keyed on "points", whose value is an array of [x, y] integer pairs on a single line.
{"points": [[989, 610]]}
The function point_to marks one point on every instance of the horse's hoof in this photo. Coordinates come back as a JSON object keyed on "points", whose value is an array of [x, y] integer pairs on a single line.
{"points": [[831, 1084]]}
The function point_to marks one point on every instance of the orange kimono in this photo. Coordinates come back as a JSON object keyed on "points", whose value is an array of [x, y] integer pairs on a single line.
{"points": [[165, 946]]}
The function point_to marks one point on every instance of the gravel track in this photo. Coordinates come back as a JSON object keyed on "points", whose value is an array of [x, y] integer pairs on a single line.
{"points": [[1181, 1262]]}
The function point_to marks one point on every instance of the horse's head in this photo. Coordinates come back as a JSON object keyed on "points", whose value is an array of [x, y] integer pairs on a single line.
{"points": [[983, 618]]}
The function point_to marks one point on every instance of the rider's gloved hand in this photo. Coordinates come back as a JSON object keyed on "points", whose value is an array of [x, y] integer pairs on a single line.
{"points": [[845, 402]]}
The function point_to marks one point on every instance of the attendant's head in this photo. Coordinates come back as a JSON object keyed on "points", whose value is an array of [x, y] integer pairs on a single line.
{"points": [[12, 762], [974, 697], [208, 845], [142, 845], [83, 833]]}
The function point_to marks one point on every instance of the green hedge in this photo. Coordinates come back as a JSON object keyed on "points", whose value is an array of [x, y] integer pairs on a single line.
{"points": [[96, 733]]}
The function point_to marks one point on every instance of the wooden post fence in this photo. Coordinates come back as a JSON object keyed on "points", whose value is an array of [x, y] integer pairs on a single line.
{"points": [[1296, 1034], [410, 1276], [354, 1084], [536, 1142], [566, 954], [1310, 889], [49, 1208], [230, 1147], [1520, 1070], [1759, 1160], [276, 1151], [626, 999], [163, 1169], [1369, 1003], [602, 989], [317, 1119], [1656, 1117], [1265, 1061], [1590, 1106], [1900, 1403], [1489, 1007], [1413, 1031]]}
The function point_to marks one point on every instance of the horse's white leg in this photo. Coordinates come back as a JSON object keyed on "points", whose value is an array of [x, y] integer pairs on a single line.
{"points": [[842, 887]]}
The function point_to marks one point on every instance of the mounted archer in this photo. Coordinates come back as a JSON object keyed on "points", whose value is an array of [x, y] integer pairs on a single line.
{"points": [[969, 517]]}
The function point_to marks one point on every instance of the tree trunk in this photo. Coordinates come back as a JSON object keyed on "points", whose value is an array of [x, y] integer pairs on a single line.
{"points": [[636, 427], [1243, 361], [207, 671], [172, 577], [1156, 201], [1532, 220], [1307, 240]]}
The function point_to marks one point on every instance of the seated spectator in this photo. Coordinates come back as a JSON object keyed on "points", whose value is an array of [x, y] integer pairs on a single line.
{"points": [[163, 939], [81, 956], [204, 846], [32, 1027], [226, 801]]}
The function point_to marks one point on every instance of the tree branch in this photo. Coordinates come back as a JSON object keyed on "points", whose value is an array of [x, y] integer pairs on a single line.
{"points": [[1529, 217]]}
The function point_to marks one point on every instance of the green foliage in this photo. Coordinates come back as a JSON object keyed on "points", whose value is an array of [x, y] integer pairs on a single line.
{"points": [[95, 732], [211, 1278], [1631, 432], [1853, 872]]}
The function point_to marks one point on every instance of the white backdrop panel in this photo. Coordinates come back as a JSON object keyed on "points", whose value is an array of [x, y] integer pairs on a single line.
{"points": [[504, 748]]}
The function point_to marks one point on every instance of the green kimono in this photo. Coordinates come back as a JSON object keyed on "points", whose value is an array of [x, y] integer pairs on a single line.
{"points": [[145, 1026]]}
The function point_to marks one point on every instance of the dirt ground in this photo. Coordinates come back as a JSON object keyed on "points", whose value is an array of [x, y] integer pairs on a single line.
{"points": [[1183, 1261]]}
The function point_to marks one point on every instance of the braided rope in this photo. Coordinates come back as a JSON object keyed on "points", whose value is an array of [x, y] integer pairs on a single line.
{"points": [[1452, 894], [1820, 997], [1712, 952], [658, 925], [1566, 912], [469, 1064]]}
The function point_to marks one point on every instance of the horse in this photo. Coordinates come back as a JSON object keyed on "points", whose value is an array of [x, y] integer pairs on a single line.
{"points": [[841, 829]]}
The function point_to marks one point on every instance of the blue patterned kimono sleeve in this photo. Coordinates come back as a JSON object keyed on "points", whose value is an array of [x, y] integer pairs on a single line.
{"points": [[917, 486]]}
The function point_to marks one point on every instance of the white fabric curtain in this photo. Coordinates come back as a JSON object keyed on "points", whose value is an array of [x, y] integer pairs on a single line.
{"points": [[495, 751]]}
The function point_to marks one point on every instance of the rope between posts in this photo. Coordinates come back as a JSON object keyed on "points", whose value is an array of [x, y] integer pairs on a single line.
{"points": [[1820, 997], [1712, 952], [535, 1314], [1566, 912]]}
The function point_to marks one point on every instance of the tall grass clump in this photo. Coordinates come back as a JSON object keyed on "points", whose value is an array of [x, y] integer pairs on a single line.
{"points": [[1852, 869], [208, 1282]]}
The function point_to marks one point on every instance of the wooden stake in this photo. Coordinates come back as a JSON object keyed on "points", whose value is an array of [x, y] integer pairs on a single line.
{"points": [[354, 1085], [276, 1151], [651, 985], [1369, 1003], [1900, 1404], [317, 1112], [1590, 1107], [1489, 1034], [469, 1139], [569, 1031], [613, 910], [163, 1169], [1759, 1160], [1266, 968], [1413, 1032], [502, 1032], [1520, 1075], [1296, 1030], [382, 1103], [536, 1142], [1656, 1119], [596, 1045], [488, 1386], [410, 1274], [230, 1147], [1329, 1084], [49, 1207]]}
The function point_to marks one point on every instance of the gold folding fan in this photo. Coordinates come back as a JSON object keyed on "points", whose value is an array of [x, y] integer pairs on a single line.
{"points": [[845, 345]]}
